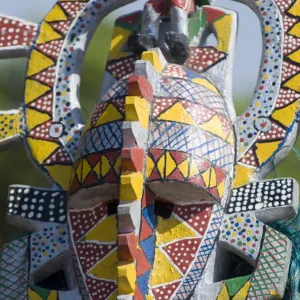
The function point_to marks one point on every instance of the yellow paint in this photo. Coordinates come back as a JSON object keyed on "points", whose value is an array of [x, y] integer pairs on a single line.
{"points": [[295, 31], [230, 139], [53, 295], [119, 39], [295, 56], [32, 295], [131, 188], [47, 34], [215, 127], [170, 164], [117, 166], [294, 83], [274, 294], [34, 90], [295, 9], [223, 295], [242, 176], [193, 169], [268, 28], [149, 297], [178, 114], [213, 178], [266, 150], [154, 59], [223, 31], [111, 114], [105, 231], [41, 149], [105, 166], [79, 170], [161, 166], [35, 118], [56, 14], [61, 175], [165, 274], [184, 168], [86, 169], [113, 296], [149, 166], [207, 84], [137, 109], [38, 62], [126, 279], [286, 115], [97, 169], [106, 268], [206, 177], [11, 124], [243, 292], [221, 188], [168, 230]]}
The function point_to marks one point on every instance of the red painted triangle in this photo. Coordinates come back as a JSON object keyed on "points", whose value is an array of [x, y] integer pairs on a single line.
{"points": [[197, 180], [146, 230], [214, 191], [148, 198], [183, 253], [220, 175], [72, 8], [213, 14], [84, 220], [178, 157], [289, 70], [203, 165], [46, 77], [176, 175], [99, 288], [97, 112], [90, 254], [286, 97], [111, 177], [129, 19], [138, 294], [165, 291], [161, 105], [60, 156], [92, 178], [41, 132], [62, 26], [120, 105], [112, 156], [155, 175], [197, 216], [43, 104], [157, 154], [142, 264], [51, 49], [93, 159]]}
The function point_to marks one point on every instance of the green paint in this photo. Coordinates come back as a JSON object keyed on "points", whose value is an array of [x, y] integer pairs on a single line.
{"points": [[196, 24], [43, 293], [234, 285]]}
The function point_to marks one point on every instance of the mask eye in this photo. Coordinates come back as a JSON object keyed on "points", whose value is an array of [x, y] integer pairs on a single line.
{"points": [[163, 209]]}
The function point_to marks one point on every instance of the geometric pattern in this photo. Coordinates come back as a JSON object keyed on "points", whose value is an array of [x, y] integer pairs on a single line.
{"points": [[14, 270], [268, 273]]}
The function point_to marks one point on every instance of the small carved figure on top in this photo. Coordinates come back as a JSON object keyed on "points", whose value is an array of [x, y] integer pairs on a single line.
{"points": [[176, 39]]}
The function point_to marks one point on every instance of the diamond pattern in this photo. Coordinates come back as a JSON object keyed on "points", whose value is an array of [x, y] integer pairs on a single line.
{"points": [[14, 267], [118, 90]]}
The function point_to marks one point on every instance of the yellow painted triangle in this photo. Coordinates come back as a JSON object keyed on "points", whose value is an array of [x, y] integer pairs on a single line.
{"points": [[105, 166], [295, 30], [193, 169], [206, 177], [61, 175], [221, 188], [119, 39], [169, 230], [295, 9], [230, 138], [34, 90], [41, 149], [97, 168], [184, 168], [286, 115], [32, 295], [113, 296], [38, 62], [170, 164], [161, 275], [86, 169], [295, 56], [117, 166], [47, 34], [150, 165], [56, 14], [207, 84], [106, 268], [213, 178], [215, 126], [79, 171], [109, 115], [242, 294], [265, 150], [104, 232], [242, 176], [177, 113], [35, 118], [223, 295], [293, 83], [161, 166], [154, 59], [53, 295]]}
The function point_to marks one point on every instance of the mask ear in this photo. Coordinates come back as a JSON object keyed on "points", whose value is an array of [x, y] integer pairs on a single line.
{"points": [[214, 60]]}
